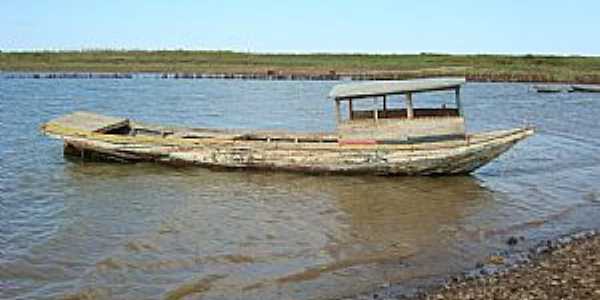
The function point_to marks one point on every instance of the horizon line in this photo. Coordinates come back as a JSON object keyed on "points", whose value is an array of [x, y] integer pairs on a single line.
{"points": [[238, 51]]}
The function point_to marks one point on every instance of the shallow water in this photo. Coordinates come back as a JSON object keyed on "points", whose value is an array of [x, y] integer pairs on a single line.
{"points": [[110, 231]]}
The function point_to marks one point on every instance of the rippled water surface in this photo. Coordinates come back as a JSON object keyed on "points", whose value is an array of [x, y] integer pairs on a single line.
{"points": [[110, 231]]}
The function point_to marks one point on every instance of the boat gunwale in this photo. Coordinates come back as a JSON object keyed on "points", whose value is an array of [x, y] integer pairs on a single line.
{"points": [[141, 142]]}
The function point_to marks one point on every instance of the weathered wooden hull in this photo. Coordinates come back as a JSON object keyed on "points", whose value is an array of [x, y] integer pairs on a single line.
{"points": [[433, 158], [548, 88], [586, 88]]}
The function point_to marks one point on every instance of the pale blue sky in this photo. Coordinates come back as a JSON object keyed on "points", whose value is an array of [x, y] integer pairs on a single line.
{"points": [[459, 26]]}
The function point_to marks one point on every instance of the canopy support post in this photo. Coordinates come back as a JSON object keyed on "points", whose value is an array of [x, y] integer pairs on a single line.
{"points": [[350, 108], [384, 106], [375, 110], [458, 102], [409, 106], [338, 117]]}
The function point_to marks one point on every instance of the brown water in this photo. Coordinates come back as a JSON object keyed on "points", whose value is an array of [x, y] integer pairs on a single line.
{"points": [[110, 231]]}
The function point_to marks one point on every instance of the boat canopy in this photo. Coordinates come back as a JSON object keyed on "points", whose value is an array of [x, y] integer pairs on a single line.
{"points": [[396, 87]]}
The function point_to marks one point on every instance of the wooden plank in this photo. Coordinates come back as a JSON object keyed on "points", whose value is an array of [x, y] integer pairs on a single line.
{"points": [[347, 158], [86, 121], [397, 129]]}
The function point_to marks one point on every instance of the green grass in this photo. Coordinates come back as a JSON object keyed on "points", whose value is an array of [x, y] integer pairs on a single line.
{"points": [[475, 67]]}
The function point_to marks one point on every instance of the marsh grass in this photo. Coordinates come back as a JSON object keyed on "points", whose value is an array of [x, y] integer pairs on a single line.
{"points": [[475, 67]]}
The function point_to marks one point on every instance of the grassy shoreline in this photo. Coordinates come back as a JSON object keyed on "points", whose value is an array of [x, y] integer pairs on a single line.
{"points": [[527, 68]]}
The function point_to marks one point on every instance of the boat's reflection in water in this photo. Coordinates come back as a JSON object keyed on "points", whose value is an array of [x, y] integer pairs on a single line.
{"points": [[185, 232]]}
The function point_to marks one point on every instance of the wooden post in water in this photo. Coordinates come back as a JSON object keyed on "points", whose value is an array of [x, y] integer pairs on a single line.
{"points": [[409, 106]]}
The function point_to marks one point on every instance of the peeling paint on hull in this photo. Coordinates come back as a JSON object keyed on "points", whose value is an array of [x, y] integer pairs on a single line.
{"points": [[440, 158]]}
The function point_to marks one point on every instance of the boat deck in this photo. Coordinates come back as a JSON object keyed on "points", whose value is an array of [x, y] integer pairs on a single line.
{"points": [[80, 123], [143, 135], [86, 121]]}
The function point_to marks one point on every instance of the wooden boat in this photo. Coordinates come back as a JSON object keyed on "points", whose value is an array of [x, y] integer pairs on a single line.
{"points": [[381, 140], [548, 88], [585, 88]]}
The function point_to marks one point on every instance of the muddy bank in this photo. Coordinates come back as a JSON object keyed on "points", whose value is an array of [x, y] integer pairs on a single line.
{"points": [[565, 268]]}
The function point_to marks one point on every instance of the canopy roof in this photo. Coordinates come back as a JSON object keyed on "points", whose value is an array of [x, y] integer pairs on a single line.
{"points": [[381, 88]]}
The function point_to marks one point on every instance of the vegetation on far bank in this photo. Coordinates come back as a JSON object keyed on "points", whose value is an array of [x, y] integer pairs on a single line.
{"points": [[475, 67]]}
